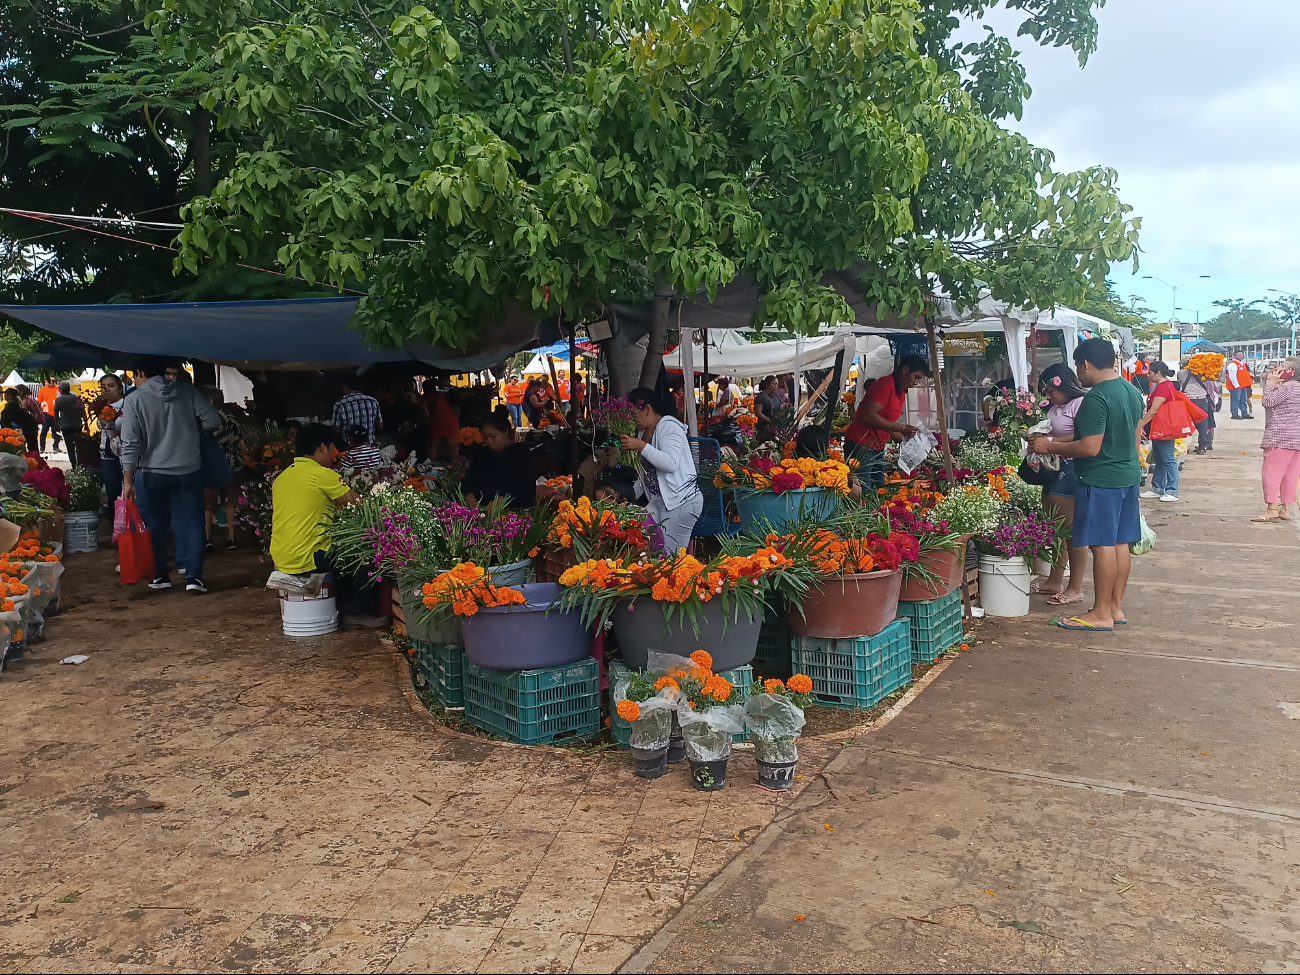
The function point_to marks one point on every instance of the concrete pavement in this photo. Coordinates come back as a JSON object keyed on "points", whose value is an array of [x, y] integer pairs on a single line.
{"points": [[1057, 801]]}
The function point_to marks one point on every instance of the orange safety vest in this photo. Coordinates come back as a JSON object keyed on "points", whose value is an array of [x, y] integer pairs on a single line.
{"points": [[1142, 368], [515, 393], [1242, 379]]}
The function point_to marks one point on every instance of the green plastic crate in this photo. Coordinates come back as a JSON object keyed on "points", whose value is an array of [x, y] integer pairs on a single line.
{"points": [[443, 667], [936, 626], [856, 673], [772, 658], [535, 707], [622, 730]]}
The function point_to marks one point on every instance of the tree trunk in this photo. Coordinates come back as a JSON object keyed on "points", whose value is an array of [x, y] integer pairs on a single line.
{"points": [[202, 153], [622, 358], [658, 340]]}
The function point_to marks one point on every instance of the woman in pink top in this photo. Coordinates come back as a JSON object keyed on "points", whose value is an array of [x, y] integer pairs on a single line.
{"points": [[1281, 440], [1063, 391]]}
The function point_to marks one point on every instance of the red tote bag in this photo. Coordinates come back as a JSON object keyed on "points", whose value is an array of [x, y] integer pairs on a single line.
{"points": [[1177, 419], [135, 548]]}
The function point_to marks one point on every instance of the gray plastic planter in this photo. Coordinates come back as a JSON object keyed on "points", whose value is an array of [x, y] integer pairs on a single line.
{"points": [[640, 628], [526, 637]]}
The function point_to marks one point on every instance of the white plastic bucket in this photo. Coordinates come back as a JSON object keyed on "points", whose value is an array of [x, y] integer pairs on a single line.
{"points": [[1004, 586], [309, 615], [81, 531], [1042, 567]]}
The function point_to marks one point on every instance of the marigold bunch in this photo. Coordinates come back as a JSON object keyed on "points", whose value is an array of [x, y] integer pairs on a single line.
{"points": [[791, 474], [798, 688], [12, 441], [108, 414], [598, 529], [470, 435], [466, 588], [1205, 365]]}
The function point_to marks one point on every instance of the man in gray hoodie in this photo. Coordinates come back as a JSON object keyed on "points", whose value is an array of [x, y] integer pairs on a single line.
{"points": [[160, 457]]}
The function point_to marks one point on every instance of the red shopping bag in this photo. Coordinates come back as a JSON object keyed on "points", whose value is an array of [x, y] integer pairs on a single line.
{"points": [[135, 548], [1176, 419]]}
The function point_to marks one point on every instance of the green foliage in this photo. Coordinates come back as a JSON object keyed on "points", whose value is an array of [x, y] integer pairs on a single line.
{"points": [[1242, 321], [458, 157], [1104, 301], [13, 347]]}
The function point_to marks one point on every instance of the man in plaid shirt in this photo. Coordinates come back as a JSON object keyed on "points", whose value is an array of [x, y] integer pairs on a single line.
{"points": [[355, 408]]}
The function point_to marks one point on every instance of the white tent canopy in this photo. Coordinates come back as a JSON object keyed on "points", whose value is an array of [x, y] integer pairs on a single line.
{"points": [[13, 379], [731, 355]]}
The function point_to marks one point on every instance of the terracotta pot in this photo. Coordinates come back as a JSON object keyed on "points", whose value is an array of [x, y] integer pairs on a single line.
{"points": [[856, 605], [944, 564]]}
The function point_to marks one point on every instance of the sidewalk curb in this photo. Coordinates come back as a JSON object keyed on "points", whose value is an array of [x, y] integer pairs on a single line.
{"points": [[663, 938]]}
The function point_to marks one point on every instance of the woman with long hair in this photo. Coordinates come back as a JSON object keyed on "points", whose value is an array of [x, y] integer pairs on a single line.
{"points": [[875, 422], [667, 468], [1062, 389], [1281, 444]]}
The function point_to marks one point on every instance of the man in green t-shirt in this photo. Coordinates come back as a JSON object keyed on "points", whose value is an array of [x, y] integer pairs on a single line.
{"points": [[1104, 449]]}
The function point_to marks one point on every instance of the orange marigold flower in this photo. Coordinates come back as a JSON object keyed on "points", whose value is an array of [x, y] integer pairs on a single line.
{"points": [[629, 710], [663, 682], [772, 685], [702, 658], [800, 684]]}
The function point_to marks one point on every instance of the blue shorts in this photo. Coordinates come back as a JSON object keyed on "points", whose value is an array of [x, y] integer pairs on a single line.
{"points": [[1067, 482], [1106, 516]]}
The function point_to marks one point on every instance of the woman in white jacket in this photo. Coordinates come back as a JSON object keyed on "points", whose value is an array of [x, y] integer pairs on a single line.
{"points": [[667, 468]]}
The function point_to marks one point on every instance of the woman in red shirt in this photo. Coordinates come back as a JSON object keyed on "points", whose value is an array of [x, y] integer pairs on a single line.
{"points": [[875, 422], [1164, 465]]}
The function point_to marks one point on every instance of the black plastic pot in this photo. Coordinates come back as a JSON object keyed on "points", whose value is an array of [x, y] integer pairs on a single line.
{"points": [[676, 749], [709, 776], [777, 776], [650, 763]]}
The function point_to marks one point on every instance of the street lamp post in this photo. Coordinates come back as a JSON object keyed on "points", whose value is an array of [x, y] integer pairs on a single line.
{"points": [[1294, 299], [1174, 287]]}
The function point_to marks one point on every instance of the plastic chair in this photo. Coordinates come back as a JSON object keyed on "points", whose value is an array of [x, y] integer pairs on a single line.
{"points": [[707, 454]]}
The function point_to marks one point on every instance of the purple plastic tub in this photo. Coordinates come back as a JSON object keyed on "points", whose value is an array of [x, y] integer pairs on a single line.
{"points": [[526, 637]]}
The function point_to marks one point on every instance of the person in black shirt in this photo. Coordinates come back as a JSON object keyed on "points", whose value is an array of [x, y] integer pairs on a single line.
{"points": [[504, 469], [18, 418]]}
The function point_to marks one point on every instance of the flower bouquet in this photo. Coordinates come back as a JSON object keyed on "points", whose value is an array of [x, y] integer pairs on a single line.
{"points": [[1206, 365], [676, 601], [603, 529], [12, 441], [617, 416], [1024, 535], [774, 716], [50, 482], [85, 490]]}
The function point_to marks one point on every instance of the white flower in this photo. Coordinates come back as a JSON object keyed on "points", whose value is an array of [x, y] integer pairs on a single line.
{"points": [[383, 487]]}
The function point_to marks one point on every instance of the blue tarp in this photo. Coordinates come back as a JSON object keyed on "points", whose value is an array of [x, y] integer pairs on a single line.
{"points": [[1203, 345], [302, 333]]}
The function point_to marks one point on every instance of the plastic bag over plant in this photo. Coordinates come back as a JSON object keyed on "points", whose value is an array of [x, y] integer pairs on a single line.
{"points": [[655, 726], [709, 734], [774, 722], [666, 663]]}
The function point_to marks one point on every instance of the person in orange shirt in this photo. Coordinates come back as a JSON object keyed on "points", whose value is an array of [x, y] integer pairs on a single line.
{"points": [[514, 392], [46, 396], [562, 380]]}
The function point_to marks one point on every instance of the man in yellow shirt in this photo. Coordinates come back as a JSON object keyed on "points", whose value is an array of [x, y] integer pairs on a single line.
{"points": [[303, 502]]}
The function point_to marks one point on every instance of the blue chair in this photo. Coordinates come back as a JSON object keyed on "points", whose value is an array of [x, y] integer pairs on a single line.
{"points": [[707, 454]]}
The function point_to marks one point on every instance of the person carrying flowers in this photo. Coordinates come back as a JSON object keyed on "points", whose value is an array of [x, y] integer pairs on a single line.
{"points": [[667, 468]]}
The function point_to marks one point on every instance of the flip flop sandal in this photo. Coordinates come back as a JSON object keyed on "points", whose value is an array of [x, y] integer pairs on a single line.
{"points": [[1055, 600], [1078, 623], [1121, 622], [1037, 590]]}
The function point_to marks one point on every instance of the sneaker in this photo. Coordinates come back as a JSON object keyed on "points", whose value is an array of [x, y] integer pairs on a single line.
{"points": [[1169, 498], [208, 546], [232, 547], [162, 582], [1149, 495], [195, 585]]}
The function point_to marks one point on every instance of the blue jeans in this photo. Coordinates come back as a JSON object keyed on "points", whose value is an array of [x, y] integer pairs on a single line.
{"points": [[174, 501], [516, 411], [1164, 469], [1240, 401], [110, 468]]}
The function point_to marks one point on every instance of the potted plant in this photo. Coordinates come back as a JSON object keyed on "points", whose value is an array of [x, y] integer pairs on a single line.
{"points": [[671, 603], [586, 529], [649, 704], [939, 565], [774, 716], [504, 627], [773, 494], [1007, 553], [710, 714], [85, 497]]}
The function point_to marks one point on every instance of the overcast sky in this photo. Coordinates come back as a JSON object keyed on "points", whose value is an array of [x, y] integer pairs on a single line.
{"points": [[1196, 104]]}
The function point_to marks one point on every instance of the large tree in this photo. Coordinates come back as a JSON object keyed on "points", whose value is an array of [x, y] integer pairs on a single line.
{"points": [[1243, 320], [457, 156]]}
